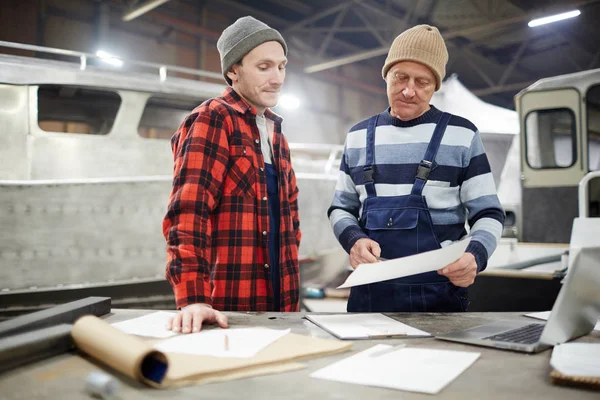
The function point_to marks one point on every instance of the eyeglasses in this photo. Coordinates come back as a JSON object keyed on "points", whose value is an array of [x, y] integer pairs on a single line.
{"points": [[400, 78]]}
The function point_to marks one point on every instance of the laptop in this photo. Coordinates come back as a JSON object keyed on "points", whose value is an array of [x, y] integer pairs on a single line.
{"points": [[574, 314]]}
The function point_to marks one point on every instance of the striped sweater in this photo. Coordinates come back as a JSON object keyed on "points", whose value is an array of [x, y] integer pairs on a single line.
{"points": [[460, 187]]}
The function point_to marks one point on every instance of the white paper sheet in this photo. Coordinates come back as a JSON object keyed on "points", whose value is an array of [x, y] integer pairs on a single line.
{"points": [[406, 266], [544, 315], [577, 359], [218, 342], [364, 326], [411, 369], [151, 325]]}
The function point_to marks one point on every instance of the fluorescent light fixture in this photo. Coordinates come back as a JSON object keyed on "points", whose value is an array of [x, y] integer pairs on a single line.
{"points": [[109, 58], [142, 9], [289, 102], [553, 18]]}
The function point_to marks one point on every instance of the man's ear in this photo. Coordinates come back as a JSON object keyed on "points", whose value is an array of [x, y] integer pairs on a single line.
{"points": [[232, 73]]}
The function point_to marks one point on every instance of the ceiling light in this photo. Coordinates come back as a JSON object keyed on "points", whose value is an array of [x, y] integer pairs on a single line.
{"points": [[553, 18]]}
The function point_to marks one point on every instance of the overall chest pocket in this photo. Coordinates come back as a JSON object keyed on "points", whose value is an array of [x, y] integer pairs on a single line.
{"points": [[241, 173], [391, 219]]}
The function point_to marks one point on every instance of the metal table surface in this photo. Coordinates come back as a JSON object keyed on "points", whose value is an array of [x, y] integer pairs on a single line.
{"points": [[497, 374]]}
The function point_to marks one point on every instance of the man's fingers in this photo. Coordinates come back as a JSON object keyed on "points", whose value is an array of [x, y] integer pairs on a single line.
{"points": [[376, 250], [461, 273], [186, 322], [197, 321], [169, 325], [176, 326], [222, 320], [367, 256], [457, 265]]}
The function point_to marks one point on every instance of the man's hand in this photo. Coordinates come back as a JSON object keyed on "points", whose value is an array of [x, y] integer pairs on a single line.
{"points": [[461, 272], [364, 251], [191, 318]]}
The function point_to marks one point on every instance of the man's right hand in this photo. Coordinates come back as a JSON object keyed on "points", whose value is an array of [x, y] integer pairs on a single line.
{"points": [[364, 251], [191, 318]]}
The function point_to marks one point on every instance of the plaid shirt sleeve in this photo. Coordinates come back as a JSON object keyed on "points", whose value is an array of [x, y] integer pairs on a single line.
{"points": [[201, 152]]}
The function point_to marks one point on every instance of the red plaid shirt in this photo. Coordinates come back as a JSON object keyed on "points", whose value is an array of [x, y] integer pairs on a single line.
{"points": [[217, 250]]}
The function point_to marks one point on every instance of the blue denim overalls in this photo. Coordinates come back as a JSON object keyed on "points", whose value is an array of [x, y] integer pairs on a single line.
{"points": [[274, 215], [402, 226]]}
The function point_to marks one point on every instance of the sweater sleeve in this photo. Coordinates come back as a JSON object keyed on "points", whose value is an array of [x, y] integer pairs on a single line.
{"points": [[478, 195]]}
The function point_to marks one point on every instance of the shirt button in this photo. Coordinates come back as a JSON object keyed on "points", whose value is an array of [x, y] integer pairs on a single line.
{"points": [[265, 198], [264, 233], [266, 265], [256, 141]]}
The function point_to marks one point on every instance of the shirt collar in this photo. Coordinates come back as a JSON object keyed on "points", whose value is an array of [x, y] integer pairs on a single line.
{"points": [[235, 101]]}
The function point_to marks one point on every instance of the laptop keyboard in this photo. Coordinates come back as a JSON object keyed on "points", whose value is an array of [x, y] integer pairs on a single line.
{"points": [[527, 334]]}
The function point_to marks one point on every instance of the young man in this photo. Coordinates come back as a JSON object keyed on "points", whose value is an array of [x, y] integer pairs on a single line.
{"points": [[409, 179], [232, 226]]}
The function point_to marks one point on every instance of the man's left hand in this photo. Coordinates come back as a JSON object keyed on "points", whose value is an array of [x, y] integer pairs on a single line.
{"points": [[461, 272]]}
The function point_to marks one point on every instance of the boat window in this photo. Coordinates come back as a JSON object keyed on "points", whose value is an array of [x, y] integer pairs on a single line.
{"points": [[550, 138], [70, 109], [163, 115]]}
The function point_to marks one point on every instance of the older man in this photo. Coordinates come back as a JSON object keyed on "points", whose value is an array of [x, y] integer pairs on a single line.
{"points": [[410, 177], [232, 224]]}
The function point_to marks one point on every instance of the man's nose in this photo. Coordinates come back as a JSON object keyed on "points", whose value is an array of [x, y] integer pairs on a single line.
{"points": [[277, 77], [409, 91]]}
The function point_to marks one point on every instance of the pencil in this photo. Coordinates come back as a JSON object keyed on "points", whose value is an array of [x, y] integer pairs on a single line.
{"points": [[226, 343]]}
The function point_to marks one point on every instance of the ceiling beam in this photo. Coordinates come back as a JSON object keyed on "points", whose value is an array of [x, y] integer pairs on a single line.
{"points": [[182, 26], [319, 15], [255, 12], [370, 27], [294, 5], [280, 22], [364, 55], [514, 62], [338, 62], [142, 9], [338, 21], [342, 29], [475, 66]]}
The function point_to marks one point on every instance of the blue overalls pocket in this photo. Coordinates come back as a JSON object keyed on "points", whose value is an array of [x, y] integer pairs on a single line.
{"points": [[412, 231]]}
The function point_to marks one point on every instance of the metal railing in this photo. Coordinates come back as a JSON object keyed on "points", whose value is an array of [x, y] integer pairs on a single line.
{"points": [[162, 69], [583, 193], [334, 152]]}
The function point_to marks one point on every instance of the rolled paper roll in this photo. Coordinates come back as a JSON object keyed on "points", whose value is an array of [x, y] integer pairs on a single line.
{"points": [[120, 351]]}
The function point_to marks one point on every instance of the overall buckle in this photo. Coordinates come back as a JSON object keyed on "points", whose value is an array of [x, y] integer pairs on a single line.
{"points": [[424, 170], [368, 172]]}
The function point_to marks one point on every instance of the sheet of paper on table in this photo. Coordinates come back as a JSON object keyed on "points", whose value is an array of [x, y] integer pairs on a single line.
{"points": [[244, 342], [410, 369], [364, 326], [150, 325]]}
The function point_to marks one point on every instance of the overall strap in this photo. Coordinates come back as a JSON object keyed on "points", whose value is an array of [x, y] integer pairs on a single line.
{"points": [[369, 168], [426, 163]]}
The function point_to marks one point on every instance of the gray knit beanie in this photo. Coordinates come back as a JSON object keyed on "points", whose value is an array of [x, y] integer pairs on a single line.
{"points": [[241, 37]]}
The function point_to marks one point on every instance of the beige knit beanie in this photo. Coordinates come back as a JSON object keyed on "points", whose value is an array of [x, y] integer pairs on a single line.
{"points": [[423, 44]]}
